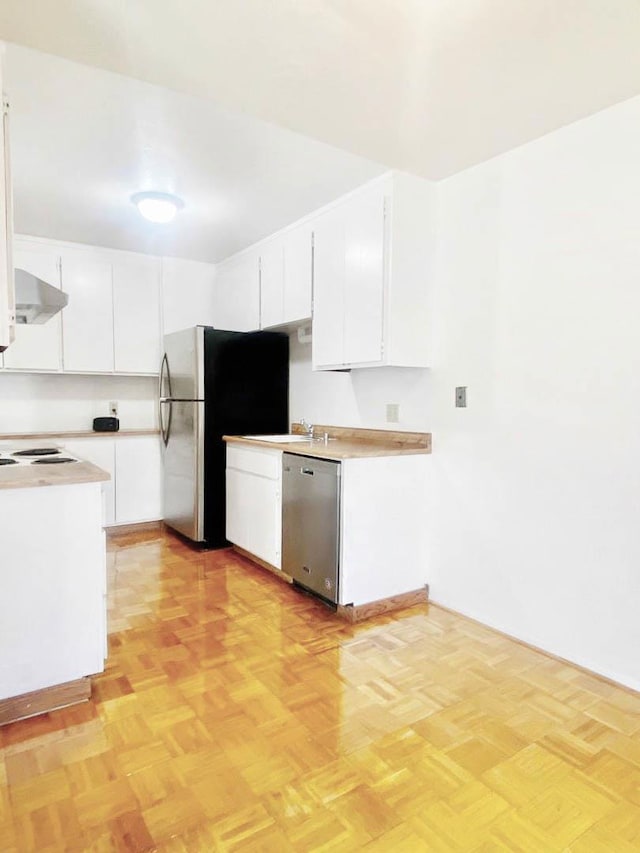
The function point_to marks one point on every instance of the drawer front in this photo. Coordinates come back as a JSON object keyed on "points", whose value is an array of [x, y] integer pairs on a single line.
{"points": [[264, 463]]}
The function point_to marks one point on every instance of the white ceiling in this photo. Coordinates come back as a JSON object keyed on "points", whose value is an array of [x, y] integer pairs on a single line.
{"points": [[84, 140], [430, 86]]}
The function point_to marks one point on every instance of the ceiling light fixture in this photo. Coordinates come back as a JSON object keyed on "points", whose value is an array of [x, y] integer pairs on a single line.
{"points": [[157, 207]]}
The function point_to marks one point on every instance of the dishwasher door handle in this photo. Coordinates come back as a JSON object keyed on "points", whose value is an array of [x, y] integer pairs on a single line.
{"points": [[308, 471]]}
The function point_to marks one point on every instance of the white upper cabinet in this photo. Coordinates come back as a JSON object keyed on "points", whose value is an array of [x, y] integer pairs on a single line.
{"points": [[188, 294], [373, 259], [113, 322], [328, 288], [7, 294], [298, 271], [364, 277], [237, 293], [349, 282], [272, 283], [39, 346], [136, 314], [87, 321], [285, 278]]}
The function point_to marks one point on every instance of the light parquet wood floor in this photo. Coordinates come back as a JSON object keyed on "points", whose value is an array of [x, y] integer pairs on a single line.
{"points": [[236, 714]]}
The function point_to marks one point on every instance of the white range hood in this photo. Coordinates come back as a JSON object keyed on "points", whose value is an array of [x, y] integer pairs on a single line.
{"points": [[36, 300]]}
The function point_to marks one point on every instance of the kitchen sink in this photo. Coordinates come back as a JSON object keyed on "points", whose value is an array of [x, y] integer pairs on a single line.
{"points": [[278, 439]]}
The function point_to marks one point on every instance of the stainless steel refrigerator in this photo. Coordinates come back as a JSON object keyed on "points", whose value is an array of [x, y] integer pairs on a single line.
{"points": [[215, 383]]}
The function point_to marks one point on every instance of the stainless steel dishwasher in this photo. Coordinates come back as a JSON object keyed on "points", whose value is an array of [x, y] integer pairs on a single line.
{"points": [[311, 523]]}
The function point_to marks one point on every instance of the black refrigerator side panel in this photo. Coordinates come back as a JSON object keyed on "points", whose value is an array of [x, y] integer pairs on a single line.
{"points": [[246, 392]]}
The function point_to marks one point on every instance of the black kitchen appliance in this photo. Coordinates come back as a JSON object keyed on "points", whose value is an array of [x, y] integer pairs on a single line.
{"points": [[106, 424]]}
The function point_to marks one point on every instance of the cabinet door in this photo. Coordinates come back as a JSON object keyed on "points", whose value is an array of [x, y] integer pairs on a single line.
{"points": [[237, 294], [138, 479], [136, 315], [297, 274], [87, 321], [328, 289], [7, 294], [188, 294], [254, 515], [37, 346], [271, 284], [364, 277], [100, 451]]}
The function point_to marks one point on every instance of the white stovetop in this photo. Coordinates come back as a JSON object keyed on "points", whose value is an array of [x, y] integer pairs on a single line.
{"points": [[8, 452]]}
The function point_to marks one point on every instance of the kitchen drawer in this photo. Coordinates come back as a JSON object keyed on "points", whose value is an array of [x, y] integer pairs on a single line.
{"points": [[264, 463]]}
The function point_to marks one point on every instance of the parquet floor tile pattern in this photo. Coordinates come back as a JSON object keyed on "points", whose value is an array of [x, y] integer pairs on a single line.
{"points": [[238, 714]]}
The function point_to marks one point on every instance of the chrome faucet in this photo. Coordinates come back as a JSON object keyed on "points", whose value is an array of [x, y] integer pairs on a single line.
{"points": [[308, 428]]}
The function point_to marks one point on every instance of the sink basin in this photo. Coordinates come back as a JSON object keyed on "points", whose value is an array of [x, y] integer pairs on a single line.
{"points": [[279, 439]]}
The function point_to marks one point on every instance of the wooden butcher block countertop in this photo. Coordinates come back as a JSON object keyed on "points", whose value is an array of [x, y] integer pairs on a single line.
{"points": [[32, 476], [84, 433], [346, 443]]}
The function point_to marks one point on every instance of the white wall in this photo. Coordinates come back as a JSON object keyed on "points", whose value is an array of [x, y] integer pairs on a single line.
{"points": [[357, 398], [59, 402], [537, 526]]}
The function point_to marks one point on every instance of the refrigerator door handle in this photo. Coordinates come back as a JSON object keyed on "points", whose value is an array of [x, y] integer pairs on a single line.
{"points": [[165, 430], [165, 373]]}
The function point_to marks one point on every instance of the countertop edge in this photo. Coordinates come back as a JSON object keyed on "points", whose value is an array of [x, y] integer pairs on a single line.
{"points": [[338, 449], [27, 477], [47, 436]]}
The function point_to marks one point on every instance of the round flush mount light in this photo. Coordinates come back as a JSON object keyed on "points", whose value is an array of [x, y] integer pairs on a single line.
{"points": [[157, 207]]}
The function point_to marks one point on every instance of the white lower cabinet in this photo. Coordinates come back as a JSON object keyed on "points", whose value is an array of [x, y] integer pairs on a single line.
{"points": [[384, 527], [134, 492], [254, 501], [101, 452], [138, 479], [52, 621], [384, 519]]}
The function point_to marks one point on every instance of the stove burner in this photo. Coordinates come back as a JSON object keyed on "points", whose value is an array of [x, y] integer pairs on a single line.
{"points": [[38, 451], [58, 460], [8, 461]]}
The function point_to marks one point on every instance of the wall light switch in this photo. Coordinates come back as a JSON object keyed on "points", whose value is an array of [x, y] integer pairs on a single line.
{"points": [[461, 397], [393, 413]]}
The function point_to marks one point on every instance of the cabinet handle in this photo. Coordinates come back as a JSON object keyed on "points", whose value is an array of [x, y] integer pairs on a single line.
{"points": [[308, 471]]}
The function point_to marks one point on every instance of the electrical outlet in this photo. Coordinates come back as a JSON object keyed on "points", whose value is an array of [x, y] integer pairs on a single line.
{"points": [[393, 413], [461, 397], [113, 409]]}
